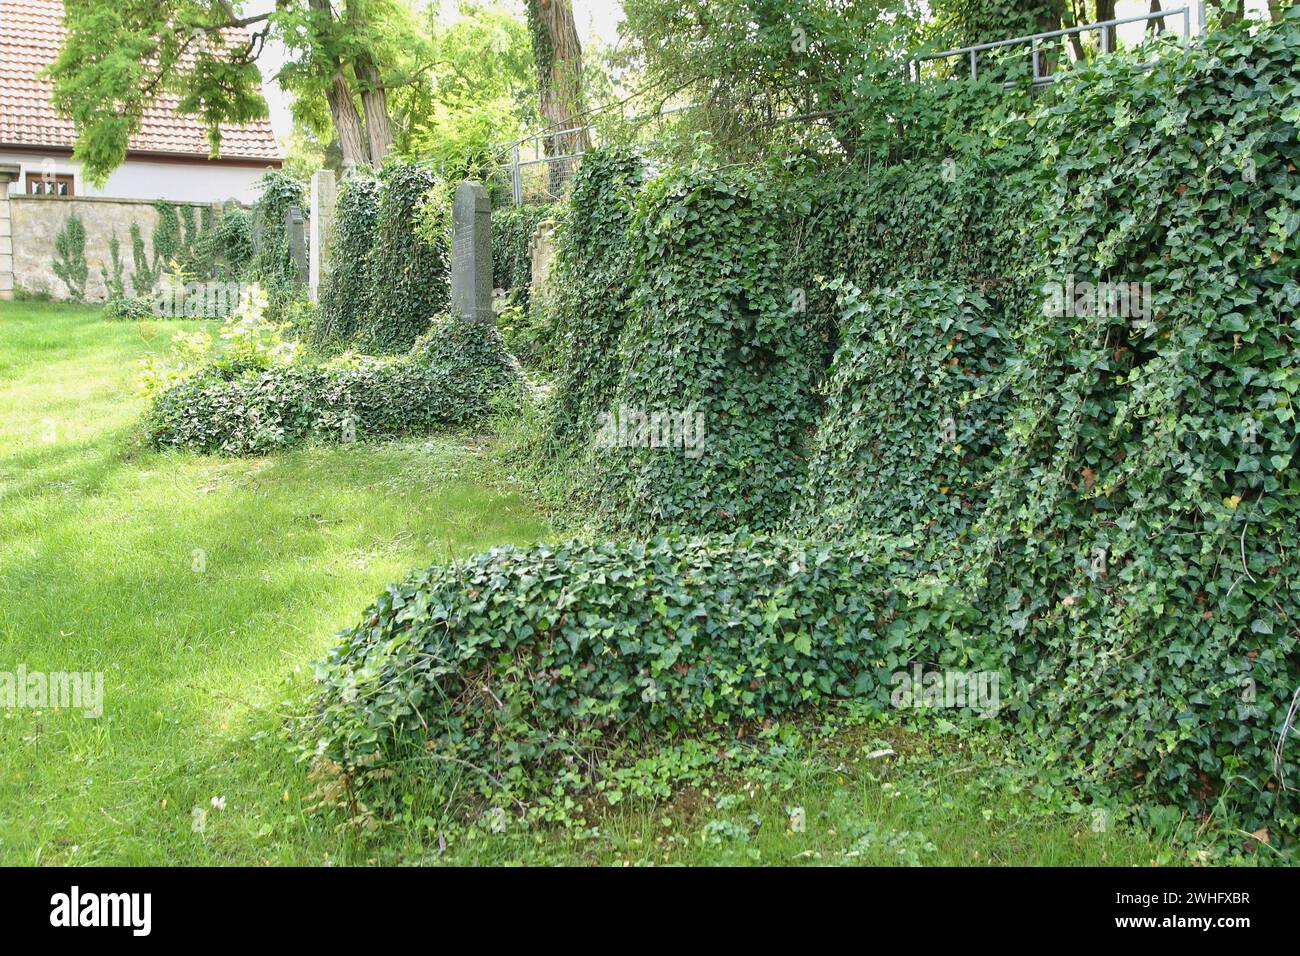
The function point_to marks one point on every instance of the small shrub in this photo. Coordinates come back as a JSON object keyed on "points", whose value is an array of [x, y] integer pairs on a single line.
{"points": [[128, 308], [528, 335], [70, 257]]}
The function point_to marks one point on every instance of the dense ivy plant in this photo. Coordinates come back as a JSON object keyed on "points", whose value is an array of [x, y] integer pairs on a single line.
{"points": [[408, 271], [515, 663], [593, 291], [70, 257], [1130, 467], [912, 428], [227, 247], [452, 377], [714, 342], [271, 266], [344, 295], [1141, 533], [723, 311], [389, 274], [512, 236]]}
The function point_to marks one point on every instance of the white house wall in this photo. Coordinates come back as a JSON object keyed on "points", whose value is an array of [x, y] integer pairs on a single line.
{"points": [[204, 183]]}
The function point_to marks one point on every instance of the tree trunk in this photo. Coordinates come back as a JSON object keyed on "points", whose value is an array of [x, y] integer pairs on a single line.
{"points": [[1157, 24], [343, 111], [1076, 41], [1230, 10], [1049, 18], [559, 82], [374, 101], [1106, 11], [347, 122]]}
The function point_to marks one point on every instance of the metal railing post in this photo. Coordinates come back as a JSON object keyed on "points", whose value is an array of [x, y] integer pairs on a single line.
{"points": [[1193, 21], [516, 178]]}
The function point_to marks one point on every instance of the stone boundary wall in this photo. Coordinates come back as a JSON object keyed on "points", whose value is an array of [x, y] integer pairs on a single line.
{"points": [[35, 224]]}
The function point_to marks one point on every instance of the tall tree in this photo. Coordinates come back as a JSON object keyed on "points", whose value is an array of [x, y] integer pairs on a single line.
{"points": [[119, 57], [558, 54]]}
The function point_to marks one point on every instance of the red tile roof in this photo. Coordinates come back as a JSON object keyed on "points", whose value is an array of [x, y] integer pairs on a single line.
{"points": [[31, 33]]}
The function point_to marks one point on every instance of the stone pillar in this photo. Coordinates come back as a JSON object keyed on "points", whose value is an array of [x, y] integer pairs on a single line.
{"points": [[471, 253], [295, 230], [324, 196], [9, 173]]}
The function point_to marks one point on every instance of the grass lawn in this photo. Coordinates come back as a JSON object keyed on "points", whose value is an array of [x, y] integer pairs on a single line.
{"points": [[204, 588]]}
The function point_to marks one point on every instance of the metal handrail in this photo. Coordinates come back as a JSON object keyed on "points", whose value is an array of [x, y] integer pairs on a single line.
{"points": [[1105, 27]]}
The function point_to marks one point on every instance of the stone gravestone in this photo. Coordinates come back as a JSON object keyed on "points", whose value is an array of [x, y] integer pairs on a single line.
{"points": [[471, 253], [541, 253], [295, 229], [323, 199]]}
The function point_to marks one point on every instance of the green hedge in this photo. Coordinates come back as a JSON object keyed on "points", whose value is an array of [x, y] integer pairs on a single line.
{"points": [[449, 379]]}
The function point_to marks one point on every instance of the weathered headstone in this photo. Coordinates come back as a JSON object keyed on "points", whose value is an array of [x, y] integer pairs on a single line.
{"points": [[541, 253], [295, 229], [471, 253], [323, 200]]}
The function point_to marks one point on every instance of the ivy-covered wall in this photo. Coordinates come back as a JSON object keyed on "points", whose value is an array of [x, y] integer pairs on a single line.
{"points": [[126, 241], [1049, 356]]}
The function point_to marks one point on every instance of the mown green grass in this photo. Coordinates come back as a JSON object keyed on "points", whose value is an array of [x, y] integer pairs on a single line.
{"points": [[196, 584], [205, 588]]}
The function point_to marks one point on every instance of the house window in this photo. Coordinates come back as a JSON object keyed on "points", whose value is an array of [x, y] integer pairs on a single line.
{"points": [[45, 184]]}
